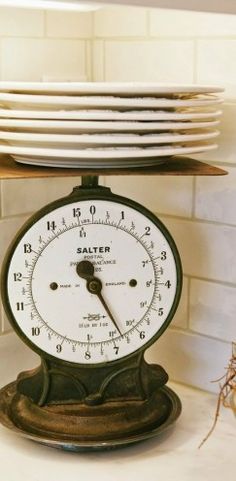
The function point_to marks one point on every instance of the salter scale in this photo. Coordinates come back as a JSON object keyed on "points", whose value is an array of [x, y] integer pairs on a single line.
{"points": [[89, 283]]}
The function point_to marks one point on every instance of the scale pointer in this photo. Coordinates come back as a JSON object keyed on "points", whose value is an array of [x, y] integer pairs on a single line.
{"points": [[85, 269]]}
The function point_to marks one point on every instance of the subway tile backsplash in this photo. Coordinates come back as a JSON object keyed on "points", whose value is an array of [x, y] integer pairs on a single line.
{"points": [[21, 22], [207, 249], [139, 44], [121, 22], [34, 59], [212, 309], [33, 196], [72, 25], [180, 23], [142, 60], [216, 198], [219, 55], [164, 195]]}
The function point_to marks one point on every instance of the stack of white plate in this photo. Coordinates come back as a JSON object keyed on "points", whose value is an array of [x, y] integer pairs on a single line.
{"points": [[106, 124]]}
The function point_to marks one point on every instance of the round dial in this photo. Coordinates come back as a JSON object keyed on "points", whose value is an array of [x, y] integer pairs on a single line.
{"points": [[93, 280]]}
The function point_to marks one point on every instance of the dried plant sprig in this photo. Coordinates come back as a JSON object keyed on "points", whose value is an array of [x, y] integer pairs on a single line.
{"points": [[226, 390]]}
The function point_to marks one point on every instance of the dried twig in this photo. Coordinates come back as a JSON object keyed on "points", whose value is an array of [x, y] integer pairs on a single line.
{"points": [[226, 391]]}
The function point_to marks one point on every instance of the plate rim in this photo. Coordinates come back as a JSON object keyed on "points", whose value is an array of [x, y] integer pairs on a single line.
{"points": [[106, 139], [109, 124], [104, 101], [124, 86], [102, 153], [107, 115]]}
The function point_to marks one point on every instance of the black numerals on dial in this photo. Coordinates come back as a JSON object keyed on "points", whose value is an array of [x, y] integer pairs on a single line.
{"points": [[27, 248], [168, 284], [92, 209], [58, 348], [17, 276], [35, 331], [142, 335], [20, 306], [147, 230], [163, 255], [160, 311], [116, 349], [87, 355], [51, 225], [143, 303], [76, 212], [82, 232]]}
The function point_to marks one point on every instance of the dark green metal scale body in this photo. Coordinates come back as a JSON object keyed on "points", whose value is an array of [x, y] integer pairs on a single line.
{"points": [[91, 405]]}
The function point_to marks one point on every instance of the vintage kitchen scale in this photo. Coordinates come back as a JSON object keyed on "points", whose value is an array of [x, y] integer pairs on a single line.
{"points": [[89, 283]]}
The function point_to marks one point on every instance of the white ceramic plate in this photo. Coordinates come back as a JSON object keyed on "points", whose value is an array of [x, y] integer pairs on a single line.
{"points": [[101, 154], [73, 141], [111, 163], [77, 126], [108, 88], [52, 102], [137, 115], [74, 163]]}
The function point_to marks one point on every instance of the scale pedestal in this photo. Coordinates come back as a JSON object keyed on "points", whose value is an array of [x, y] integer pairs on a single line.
{"points": [[115, 406]]}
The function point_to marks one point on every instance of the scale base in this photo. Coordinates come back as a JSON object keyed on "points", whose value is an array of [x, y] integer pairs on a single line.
{"points": [[79, 427]]}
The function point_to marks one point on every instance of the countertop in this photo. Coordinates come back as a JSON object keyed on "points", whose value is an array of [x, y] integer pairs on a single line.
{"points": [[173, 455]]}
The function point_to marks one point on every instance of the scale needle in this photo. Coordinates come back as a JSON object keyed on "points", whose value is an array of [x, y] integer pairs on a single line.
{"points": [[85, 269]]}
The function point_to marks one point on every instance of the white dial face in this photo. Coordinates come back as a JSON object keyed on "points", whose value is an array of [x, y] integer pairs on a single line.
{"points": [[92, 281]]}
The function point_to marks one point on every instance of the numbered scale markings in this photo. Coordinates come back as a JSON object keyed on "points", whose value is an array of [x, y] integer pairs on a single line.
{"points": [[92, 281]]}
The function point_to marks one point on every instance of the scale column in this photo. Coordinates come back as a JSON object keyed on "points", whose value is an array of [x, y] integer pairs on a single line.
{"points": [[89, 181]]}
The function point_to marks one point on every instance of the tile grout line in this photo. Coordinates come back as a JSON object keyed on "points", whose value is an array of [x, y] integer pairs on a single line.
{"points": [[190, 332], [188, 300], [1, 201], [194, 194], [104, 60], [195, 60], [148, 23], [195, 220], [45, 24], [194, 277]]}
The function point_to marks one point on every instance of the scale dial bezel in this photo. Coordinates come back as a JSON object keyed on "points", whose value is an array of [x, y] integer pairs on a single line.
{"points": [[80, 194]]}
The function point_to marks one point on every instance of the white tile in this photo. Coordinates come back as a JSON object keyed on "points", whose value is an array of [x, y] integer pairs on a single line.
{"points": [[88, 61], [227, 138], [0, 198], [216, 197], [15, 357], [21, 59], [163, 61], [213, 309], [33, 59], [18, 198], [98, 60], [181, 317], [190, 358], [207, 250], [21, 22], [68, 24], [8, 230], [180, 23], [62, 57], [163, 194], [216, 65], [120, 22], [5, 324]]}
